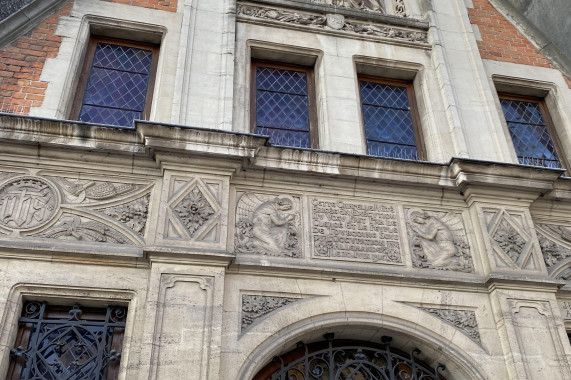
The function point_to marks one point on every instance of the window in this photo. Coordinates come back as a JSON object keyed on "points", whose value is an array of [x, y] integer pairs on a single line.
{"points": [[390, 119], [67, 343], [284, 106], [531, 131], [116, 83]]}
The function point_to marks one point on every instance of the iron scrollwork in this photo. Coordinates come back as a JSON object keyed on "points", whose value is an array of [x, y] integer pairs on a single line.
{"points": [[67, 348], [346, 362]]}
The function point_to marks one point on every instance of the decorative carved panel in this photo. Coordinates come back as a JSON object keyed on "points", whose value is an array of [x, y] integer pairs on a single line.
{"points": [[510, 239], [256, 306], [363, 5], [438, 240], [327, 22], [354, 231], [464, 320], [555, 243], [268, 225], [92, 211]]}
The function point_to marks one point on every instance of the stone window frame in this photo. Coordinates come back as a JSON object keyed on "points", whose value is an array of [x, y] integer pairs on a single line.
{"points": [[540, 101], [548, 94], [67, 296], [311, 96], [86, 67], [418, 136], [114, 29]]}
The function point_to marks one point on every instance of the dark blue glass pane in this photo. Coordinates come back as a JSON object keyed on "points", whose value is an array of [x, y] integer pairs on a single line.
{"points": [[384, 95], [390, 125], [286, 137], [111, 116], [116, 89], [274, 109], [532, 142], [122, 58], [382, 149], [279, 80]]}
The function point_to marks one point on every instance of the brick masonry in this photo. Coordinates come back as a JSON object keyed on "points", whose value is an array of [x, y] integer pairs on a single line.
{"points": [[501, 41], [22, 62], [164, 5]]}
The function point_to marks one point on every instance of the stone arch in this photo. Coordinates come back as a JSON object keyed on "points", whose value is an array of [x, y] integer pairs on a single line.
{"points": [[406, 335]]}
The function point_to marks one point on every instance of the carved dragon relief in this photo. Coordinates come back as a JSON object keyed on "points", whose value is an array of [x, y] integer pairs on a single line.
{"points": [[268, 225], [331, 22], [555, 243], [438, 241], [59, 208]]}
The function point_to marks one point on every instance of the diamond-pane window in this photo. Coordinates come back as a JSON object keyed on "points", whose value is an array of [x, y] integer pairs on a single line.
{"points": [[390, 128], [67, 343], [530, 132], [119, 83], [283, 108]]}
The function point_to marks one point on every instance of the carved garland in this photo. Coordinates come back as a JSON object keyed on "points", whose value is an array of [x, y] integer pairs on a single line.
{"points": [[331, 22]]}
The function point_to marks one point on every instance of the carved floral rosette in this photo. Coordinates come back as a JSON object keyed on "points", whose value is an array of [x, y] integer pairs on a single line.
{"points": [[438, 240], [555, 243], [334, 22], [268, 225], [94, 211]]}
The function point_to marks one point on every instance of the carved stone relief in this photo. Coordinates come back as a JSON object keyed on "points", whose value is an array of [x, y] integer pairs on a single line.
{"points": [[355, 231], [364, 5], [81, 210], [268, 225], [400, 8], [511, 242], [321, 21], [555, 243], [73, 227], [464, 320], [256, 306], [438, 241], [194, 209]]}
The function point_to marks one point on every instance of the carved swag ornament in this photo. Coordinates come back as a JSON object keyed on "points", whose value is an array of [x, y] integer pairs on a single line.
{"points": [[320, 21], [268, 225], [438, 241]]}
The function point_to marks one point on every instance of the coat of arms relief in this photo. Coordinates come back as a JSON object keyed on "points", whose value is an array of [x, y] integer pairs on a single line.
{"points": [[51, 207]]}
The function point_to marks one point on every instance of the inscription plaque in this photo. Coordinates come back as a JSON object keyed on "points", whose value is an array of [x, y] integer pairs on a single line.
{"points": [[355, 231]]}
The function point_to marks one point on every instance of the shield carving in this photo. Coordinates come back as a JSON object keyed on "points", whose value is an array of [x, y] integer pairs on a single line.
{"points": [[335, 21]]}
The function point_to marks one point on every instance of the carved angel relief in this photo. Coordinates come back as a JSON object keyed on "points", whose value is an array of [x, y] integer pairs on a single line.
{"points": [[438, 241], [268, 225], [59, 208], [555, 243]]}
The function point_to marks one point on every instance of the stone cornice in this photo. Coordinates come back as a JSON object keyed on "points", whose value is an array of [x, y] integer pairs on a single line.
{"points": [[253, 152]]}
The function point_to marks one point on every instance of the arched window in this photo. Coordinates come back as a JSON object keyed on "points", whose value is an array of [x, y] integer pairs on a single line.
{"points": [[348, 360]]}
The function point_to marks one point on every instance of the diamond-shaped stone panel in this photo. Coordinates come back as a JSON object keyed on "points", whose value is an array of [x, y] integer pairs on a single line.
{"points": [[194, 210], [509, 240]]}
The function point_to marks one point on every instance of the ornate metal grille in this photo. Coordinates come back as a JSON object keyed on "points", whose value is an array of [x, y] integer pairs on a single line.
{"points": [[282, 106], [530, 134], [81, 346], [117, 85], [389, 129], [338, 361]]}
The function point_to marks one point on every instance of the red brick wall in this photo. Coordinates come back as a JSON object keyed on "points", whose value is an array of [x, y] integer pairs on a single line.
{"points": [[22, 62], [165, 5], [501, 41]]}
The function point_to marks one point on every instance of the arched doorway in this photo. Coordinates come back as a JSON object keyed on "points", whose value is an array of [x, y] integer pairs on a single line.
{"points": [[332, 359]]}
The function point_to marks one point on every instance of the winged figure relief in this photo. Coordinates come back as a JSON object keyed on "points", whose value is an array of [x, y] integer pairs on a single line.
{"points": [[267, 225]]}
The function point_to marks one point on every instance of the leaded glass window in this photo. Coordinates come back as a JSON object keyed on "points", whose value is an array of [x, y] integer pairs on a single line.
{"points": [[390, 122], [67, 343], [284, 105], [118, 86], [530, 132]]}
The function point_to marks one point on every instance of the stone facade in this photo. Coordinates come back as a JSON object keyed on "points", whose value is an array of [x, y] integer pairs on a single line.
{"points": [[227, 250]]}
